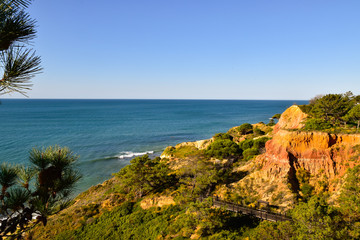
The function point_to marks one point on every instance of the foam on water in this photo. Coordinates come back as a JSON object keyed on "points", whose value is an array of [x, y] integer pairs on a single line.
{"points": [[133, 154]]}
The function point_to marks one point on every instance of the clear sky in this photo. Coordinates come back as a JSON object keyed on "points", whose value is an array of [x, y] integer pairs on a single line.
{"points": [[196, 49]]}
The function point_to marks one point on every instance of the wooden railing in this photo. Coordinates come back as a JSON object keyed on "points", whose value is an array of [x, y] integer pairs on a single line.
{"points": [[259, 213]]}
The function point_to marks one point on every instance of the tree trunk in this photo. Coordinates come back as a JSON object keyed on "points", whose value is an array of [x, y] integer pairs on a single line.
{"points": [[357, 127]]}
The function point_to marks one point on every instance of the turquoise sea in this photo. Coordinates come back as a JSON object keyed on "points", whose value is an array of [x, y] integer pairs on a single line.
{"points": [[107, 134]]}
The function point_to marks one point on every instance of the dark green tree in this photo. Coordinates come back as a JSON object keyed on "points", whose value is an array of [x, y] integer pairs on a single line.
{"points": [[315, 219], [18, 63], [332, 107], [144, 175], [223, 149], [53, 176], [245, 128], [354, 115]]}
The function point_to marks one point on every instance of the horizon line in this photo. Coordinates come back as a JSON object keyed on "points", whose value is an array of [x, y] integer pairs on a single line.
{"points": [[176, 99]]}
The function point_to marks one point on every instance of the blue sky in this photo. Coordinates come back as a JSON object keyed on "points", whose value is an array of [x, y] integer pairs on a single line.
{"points": [[196, 49]]}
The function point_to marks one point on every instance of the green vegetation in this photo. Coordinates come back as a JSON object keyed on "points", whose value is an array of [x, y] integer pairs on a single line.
{"points": [[142, 176], [313, 217], [19, 64], [250, 153], [23, 196], [333, 113], [317, 124], [276, 116], [191, 174], [350, 201], [223, 148], [129, 221], [354, 115], [182, 152], [253, 147], [306, 190], [258, 132], [245, 128]]}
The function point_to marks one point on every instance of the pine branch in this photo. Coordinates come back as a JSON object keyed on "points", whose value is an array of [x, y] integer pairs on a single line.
{"points": [[20, 65]]}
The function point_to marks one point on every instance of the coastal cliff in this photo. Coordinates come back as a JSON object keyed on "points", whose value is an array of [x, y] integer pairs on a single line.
{"points": [[325, 157], [286, 165]]}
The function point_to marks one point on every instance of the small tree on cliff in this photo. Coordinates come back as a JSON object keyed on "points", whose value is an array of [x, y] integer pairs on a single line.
{"points": [[53, 175], [143, 175]]}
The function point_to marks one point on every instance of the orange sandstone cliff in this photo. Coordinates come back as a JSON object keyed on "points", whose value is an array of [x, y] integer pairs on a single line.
{"points": [[316, 152], [325, 156]]}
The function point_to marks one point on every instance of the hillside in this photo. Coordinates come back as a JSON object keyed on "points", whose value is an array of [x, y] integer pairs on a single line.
{"points": [[295, 171]]}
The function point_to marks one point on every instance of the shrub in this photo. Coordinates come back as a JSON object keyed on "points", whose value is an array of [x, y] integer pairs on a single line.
{"points": [[223, 149], [316, 124], [260, 142], [144, 175], [222, 136], [248, 143], [250, 153], [277, 116], [258, 132], [245, 128], [271, 122]]}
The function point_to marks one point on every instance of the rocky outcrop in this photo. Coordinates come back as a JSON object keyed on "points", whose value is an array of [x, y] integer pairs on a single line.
{"points": [[292, 118], [325, 156], [319, 153], [199, 145], [158, 201]]}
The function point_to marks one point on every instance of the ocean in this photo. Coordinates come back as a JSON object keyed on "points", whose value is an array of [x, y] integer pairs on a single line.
{"points": [[107, 134]]}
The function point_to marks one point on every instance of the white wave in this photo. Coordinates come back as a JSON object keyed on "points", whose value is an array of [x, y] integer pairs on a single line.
{"points": [[133, 154]]}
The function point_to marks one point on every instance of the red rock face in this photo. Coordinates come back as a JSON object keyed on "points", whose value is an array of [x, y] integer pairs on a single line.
{"points": [[319, 153]]}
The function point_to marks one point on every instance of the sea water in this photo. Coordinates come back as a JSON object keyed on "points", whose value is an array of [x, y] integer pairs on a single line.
{"points": [[107, 134]]}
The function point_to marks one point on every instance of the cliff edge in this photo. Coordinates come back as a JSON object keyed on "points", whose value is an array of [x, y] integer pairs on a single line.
{"points": [[291, 153]]}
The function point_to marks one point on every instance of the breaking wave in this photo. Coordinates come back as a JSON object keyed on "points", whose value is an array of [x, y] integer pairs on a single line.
{"points": [[123, 155]]}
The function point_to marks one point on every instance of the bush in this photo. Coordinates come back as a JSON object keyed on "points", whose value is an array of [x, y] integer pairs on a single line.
{"points": [[277, 116], [260, 142], [222, 136], [245, 128], [223, 149], [250, 153], [248, 143], [271, 122], [258, 132], [316, 124], [144, 175]]}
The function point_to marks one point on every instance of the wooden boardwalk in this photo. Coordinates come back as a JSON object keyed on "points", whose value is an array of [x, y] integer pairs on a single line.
{"points": [[262, 214]]}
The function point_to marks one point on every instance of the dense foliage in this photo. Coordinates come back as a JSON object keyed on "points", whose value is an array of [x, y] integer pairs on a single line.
{"points": [[18, 63], [223, 148], [245, 128], [129, 221], [38, 190], [332, 112], [144, 175], [313, 217]]}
